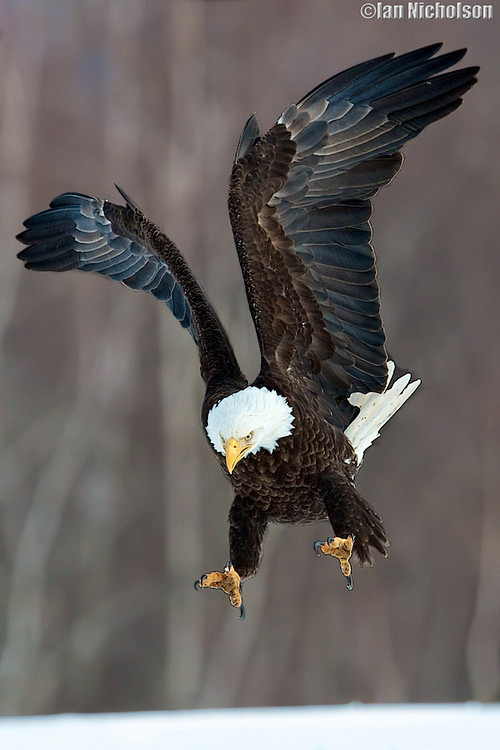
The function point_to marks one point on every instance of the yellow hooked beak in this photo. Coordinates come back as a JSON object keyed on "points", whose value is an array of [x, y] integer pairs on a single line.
{"points": [[235, 450]]}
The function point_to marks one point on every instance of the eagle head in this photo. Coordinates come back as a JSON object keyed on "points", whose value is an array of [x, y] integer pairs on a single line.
{"points": [[247, 421]]}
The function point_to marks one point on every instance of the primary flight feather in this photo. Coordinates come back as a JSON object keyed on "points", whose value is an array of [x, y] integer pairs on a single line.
{"points": [[300, 205]]}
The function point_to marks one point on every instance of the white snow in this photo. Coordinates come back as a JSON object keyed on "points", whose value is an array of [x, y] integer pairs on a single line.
{"points": [[374, 727]]}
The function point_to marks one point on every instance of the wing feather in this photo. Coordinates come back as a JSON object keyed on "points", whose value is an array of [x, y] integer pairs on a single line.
{"points": [[94, 235], [79, 231], [300, 210]]}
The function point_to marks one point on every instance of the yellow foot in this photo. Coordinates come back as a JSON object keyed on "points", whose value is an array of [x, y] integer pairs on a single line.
{"points": [[340, 548], [228, 581]]}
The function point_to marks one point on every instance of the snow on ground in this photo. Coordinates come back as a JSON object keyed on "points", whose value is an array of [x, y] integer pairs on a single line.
{"points": [[382, 727]]}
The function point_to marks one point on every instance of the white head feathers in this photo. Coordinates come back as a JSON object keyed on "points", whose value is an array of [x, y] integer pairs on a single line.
{"points": [[253, 411]]}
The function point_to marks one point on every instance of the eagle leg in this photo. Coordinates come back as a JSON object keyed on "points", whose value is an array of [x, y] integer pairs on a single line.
{"points": [[228, 581], [342, 550]]}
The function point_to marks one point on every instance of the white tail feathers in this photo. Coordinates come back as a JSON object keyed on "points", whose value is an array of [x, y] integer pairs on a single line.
{"points": [[376, 409]]}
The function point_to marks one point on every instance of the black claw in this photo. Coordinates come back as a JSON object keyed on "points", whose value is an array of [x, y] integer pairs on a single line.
{"points": [[317, 546], [353, 537], [229, 565], [350, 583], [198, 582], [241, 616]]}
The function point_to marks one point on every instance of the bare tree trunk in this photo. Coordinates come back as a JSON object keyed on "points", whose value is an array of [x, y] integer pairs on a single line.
{"points": [[180, 182], [24, 599], [483, 651]]}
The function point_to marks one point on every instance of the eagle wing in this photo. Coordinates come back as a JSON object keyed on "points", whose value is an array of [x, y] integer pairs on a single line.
{"points": [[300, 208], [120, 242]]}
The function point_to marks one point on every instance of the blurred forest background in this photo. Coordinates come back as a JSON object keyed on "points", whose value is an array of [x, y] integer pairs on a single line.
{"points": [[111, 503]]}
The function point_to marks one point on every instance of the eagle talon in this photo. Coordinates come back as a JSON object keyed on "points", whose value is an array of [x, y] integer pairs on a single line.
{"points": [[228, 581], [198, 584], [317, 547], [342, 550]]}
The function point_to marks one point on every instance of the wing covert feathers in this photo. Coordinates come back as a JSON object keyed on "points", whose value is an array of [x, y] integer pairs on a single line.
{"points": [[300, 205]]}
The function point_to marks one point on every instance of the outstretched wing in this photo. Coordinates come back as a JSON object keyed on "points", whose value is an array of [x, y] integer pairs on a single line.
{"points": [[91, 234], [300, 210], [78, 231]]}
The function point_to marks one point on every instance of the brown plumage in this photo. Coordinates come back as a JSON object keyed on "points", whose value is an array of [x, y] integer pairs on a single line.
{"points": [[299, 204]]}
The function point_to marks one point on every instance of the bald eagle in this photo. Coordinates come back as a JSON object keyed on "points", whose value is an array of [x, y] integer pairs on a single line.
{"points": [[300, 205]]}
